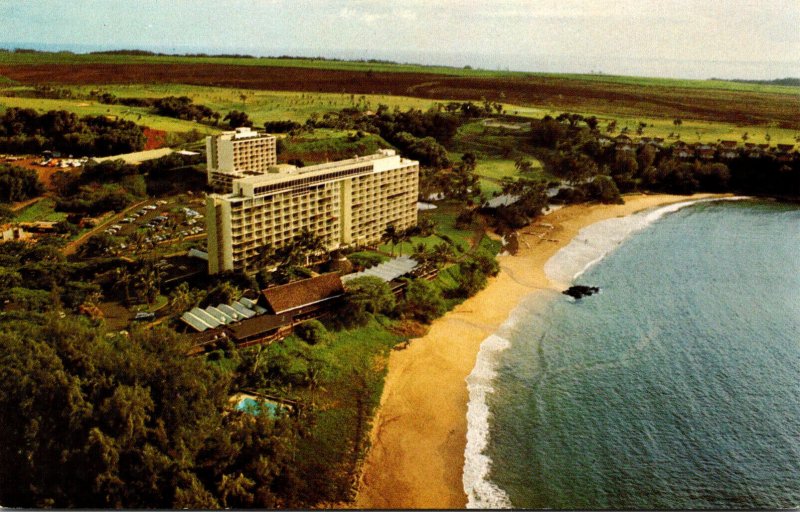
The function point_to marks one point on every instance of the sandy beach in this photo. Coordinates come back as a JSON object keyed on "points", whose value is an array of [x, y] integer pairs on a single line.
{"points": [[419, 433]]}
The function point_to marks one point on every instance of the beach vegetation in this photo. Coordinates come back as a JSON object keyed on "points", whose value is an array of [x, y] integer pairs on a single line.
{"points": [[365, 296], [423, 301]]}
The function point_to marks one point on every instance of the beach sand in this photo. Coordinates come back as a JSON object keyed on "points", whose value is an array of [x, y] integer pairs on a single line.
{"points": [[419, 432]]}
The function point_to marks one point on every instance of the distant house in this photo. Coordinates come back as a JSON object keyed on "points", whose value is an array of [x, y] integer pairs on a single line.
{"points": [[727, 149], [9, 233], [682, 150], [705, 152], [751, 150], [624, 144]]}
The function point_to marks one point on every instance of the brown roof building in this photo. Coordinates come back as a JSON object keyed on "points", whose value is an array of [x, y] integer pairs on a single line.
{"points": [[301, 294]]}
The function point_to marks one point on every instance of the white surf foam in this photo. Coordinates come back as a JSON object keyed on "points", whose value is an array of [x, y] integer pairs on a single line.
{"points": [[595, 242], [481, 492]]}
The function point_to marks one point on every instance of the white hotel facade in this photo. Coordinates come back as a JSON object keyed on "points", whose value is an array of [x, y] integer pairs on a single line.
{"points": [[236, 154], [345, 203]]}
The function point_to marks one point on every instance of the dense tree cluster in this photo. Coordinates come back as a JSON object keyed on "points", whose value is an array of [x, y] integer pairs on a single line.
{"points": [[281, 126], [237, 119], [26, 131], [178, 107], [570, 148], [38, 278], [421, 135], [18, 184], [183, 108], [129, 421], [113, 184]]}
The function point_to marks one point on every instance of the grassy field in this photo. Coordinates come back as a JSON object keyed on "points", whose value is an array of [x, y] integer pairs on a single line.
{"points": [[43, 210], [140, 116], [262, 106], [690, 130], [325, 145]]}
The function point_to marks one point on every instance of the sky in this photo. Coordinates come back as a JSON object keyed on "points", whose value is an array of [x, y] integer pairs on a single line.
{"points": [[678, 38]]}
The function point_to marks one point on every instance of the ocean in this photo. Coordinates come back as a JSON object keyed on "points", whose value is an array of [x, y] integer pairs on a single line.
{"points": [[676, 387]]}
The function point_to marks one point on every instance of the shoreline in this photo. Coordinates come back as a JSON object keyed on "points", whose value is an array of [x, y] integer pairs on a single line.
{"points": [[418, 435]]}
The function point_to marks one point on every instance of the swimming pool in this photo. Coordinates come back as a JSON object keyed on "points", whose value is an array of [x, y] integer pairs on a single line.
{"points": [[253, 406]]}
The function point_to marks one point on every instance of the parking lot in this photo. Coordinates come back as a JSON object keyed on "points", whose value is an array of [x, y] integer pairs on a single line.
{"points": [[157, 223]]}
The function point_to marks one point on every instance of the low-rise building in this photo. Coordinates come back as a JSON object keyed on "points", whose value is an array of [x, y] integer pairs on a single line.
{"points": [[10, 233]]}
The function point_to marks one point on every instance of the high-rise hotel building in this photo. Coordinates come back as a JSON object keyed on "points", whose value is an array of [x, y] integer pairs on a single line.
{"points": [[236, 154], [345, 203]]}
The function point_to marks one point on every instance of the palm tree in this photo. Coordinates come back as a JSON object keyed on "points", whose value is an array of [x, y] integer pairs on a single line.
{"points": [[391, 236], [123, 281], [442, 253], [181, 298], [310, 243], [420, 253]]}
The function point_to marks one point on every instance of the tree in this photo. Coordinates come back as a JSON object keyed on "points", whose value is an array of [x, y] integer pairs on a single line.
{"points": [[604, 189], [131, 422], [237, 119], [391, 236], [312, 332], [442, 253], [364, 296], [523, 166], [547, 133], [96, 245], [576, 168], [6, 213], [471, 279], [423, 301]]}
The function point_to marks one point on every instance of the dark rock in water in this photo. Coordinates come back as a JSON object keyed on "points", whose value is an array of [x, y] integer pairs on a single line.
{"points": [[579, 291]]}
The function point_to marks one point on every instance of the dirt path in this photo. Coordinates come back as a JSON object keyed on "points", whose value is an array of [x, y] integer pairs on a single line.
{"points": [[72, 247]]}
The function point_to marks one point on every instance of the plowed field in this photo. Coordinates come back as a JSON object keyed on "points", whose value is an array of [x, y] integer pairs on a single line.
{"points": [[746, 108]]}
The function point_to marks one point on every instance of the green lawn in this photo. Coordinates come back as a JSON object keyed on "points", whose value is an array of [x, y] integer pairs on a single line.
{"points": [[140, 116], [43, 210], [262, 106], [325, 145]]}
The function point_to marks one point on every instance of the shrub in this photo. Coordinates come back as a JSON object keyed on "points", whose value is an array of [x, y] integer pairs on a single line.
{"points": [[312, 332], [366, 259], [423, 301]]}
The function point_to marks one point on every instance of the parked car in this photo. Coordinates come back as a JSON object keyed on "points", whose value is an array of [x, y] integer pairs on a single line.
{"points": [[144, 315]]}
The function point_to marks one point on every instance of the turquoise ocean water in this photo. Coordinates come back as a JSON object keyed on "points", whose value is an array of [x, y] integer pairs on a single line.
{"points": [[678, 386]]}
